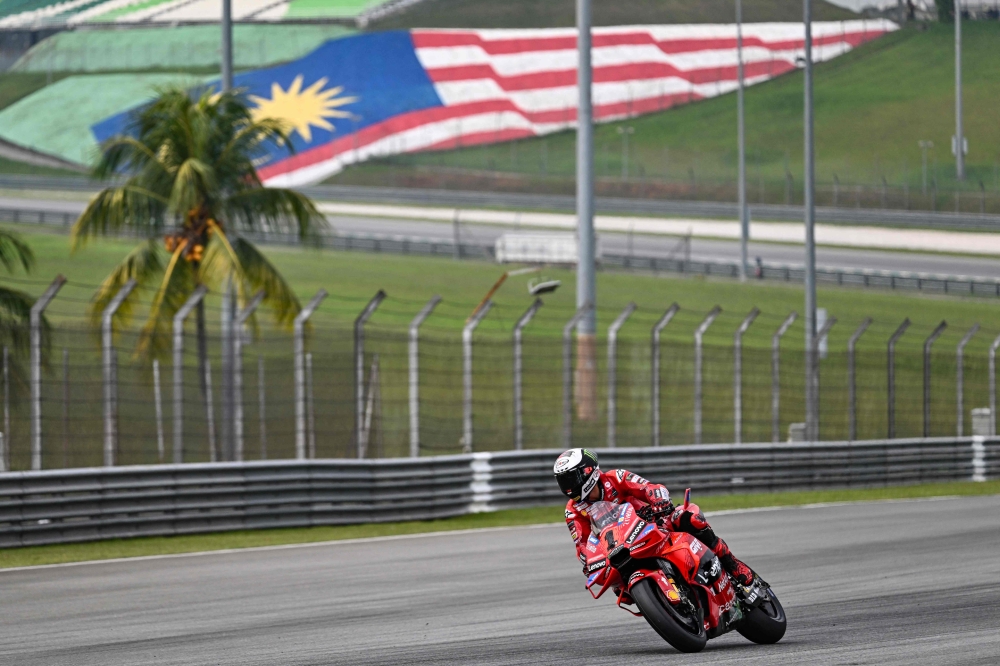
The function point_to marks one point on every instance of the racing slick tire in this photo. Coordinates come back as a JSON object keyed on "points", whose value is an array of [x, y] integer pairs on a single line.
{"points": [[669, 622], [766, 623]]}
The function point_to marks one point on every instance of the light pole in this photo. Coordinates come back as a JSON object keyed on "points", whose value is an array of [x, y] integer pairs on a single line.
{"points": [[810, 244], [924, 146], [586, 287], [958, 143], [227, 45], [624, 131], [741, 141]]}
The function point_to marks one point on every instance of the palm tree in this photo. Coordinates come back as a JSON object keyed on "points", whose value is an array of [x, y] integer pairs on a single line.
{"points": [[190, 188], [15, 306]]}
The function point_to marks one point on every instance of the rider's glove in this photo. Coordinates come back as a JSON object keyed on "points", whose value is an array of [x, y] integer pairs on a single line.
{"points": [[659, 500]]}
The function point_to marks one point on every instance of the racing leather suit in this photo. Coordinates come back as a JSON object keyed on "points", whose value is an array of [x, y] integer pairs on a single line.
{"points": [[618, 485]]}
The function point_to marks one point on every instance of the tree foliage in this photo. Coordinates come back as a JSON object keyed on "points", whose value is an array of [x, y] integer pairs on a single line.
{"points": [[191, 189]]}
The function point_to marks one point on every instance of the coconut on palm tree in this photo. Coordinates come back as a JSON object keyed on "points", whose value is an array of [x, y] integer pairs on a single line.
{"points": [[191, 190]]}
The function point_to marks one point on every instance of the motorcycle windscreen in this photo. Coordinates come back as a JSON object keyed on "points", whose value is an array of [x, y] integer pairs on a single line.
{"points": [[603, 514]]}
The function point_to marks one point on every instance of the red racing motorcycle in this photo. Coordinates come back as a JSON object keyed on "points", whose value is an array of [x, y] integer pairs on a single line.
{"points": [[674, 581]]}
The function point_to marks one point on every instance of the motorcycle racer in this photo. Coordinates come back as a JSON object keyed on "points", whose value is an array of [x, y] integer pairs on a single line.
{"points": [[580, 478]]}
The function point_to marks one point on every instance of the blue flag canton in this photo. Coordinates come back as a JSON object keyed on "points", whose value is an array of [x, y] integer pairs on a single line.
{"points": [[340, 88]]}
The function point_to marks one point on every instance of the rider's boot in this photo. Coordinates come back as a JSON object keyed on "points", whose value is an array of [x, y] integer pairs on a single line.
{"points": [[743, 574]]}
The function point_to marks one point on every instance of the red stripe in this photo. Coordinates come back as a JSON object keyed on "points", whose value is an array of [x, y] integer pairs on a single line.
{"points": [[614, 74], [397, 124], [433, 39]]}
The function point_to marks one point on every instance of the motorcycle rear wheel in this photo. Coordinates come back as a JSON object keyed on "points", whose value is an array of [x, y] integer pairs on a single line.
{"points": [[766, 623], [668, 621]]}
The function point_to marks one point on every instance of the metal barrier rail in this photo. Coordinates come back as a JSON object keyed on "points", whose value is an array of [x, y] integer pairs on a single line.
{"points": [[62, 506], [606, 205]]}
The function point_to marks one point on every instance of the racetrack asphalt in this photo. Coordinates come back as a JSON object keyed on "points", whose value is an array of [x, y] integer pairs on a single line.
{"points": [[908, 582], [649, 245]]}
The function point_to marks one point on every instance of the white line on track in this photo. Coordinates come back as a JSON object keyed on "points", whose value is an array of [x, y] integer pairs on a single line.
{"points": [[420, 535]]}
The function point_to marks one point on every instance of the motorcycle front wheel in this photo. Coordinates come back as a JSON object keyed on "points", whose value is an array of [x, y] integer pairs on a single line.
{"points": [[675, 624], [766, 623]]}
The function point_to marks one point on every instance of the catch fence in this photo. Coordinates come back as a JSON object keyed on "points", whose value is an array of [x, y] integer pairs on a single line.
{"points": [[396, 385]]}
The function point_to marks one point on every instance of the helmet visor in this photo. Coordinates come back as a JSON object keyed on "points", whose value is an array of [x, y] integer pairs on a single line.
{"points": [[571, 482]]}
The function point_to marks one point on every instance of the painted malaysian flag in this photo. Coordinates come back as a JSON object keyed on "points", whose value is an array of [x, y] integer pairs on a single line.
{"points": [[388, 93]]}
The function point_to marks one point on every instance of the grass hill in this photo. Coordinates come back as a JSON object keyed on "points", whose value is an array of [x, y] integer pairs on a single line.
{"points": [[560, 13], [872, 107]]}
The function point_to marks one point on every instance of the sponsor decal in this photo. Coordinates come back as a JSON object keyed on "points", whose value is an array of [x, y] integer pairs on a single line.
{"points": [[597, 566], [647, 530], [634, 534], [672, 595], [593, 539], [570, 515], [636, 479], [696, 546], [639, 545], [636, 576], [583, 559], [620, 473], [716, 566], [592, 547]]}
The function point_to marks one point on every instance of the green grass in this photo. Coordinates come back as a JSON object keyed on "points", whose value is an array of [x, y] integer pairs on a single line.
{"points": [[144, 546], [872, 106], [562, 13]]}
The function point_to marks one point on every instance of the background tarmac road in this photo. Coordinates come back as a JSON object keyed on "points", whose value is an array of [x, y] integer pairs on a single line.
{"points": [[702, 249], [915, 582]]}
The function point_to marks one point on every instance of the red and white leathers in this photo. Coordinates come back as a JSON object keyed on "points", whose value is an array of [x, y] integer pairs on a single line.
{"points": [[618, 485]]}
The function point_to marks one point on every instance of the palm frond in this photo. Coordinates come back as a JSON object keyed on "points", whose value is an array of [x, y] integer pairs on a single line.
{"points": [[275, 209], [115, 209], [15, 251], [15, 317], [178, 282], [143, 264]]}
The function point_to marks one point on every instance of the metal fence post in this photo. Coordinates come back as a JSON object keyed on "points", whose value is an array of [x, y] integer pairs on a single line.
{"points": [[776, 375], [698, 335], [359, 366], [960, 378], [852, 388], [613, 372], [238, 323], [36, 368], [213, 453], [414, 377], [738, 375], [822, 333], [992, 380], [261, 407], [299, 343], [107, 350], [518, 406], [655, 356], [567, 339], [310, 407], [891, 361], [5, 449], [467, 332], [927, 374], [179, 318], [158, 405]]}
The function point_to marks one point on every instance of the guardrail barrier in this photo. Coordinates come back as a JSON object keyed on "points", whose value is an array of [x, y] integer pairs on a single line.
{"points": [[62, 506]]}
